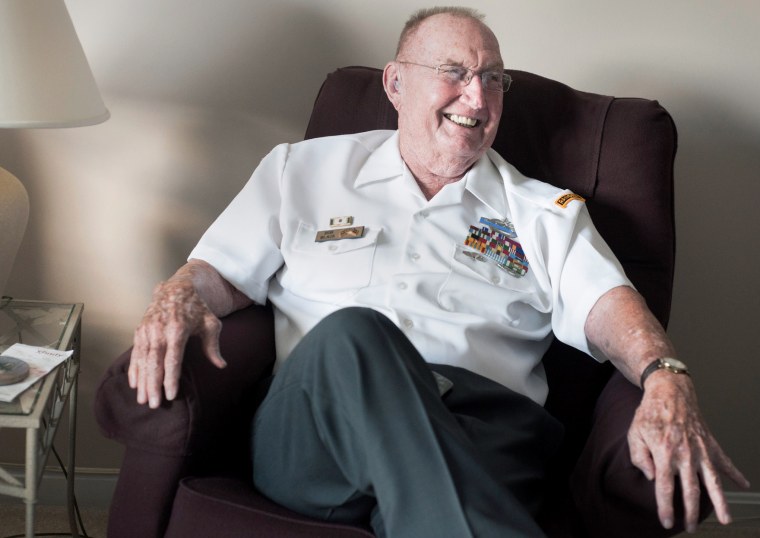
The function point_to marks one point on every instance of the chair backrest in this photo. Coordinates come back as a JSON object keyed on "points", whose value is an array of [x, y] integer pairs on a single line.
{"points": [[616, 153]]}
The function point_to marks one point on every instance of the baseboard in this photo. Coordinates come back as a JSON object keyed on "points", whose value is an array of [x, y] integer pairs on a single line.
{"points": [[744, 505], [93, 487], [743, 497]]}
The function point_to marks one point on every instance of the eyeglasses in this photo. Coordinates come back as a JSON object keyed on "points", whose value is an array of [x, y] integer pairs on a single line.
{"points": [[492, 81]]}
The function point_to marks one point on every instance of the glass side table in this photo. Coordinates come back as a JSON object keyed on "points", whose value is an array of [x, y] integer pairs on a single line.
{"points": [[39, 408]]}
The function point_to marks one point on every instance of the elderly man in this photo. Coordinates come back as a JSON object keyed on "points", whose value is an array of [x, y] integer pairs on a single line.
{"points": [[417, 279]]}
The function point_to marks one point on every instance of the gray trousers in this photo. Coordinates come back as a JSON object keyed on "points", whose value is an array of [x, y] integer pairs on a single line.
{"points": [[353, 429]]}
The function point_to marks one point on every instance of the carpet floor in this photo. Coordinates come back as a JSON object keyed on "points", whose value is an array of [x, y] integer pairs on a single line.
{"points": [[50, 521]]}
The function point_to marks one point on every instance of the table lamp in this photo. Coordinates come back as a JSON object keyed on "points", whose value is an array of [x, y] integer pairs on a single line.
{"points": [[45, 81]]}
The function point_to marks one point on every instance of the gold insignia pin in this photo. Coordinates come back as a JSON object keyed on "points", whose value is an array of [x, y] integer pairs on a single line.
{"points": [[336, 222], [343, 233]]}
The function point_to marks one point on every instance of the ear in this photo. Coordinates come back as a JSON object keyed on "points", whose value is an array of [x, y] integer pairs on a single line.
{"points": [[392, 83]]}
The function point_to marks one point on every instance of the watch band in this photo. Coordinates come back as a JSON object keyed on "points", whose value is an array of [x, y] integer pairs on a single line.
{"points": [[672, 365]]}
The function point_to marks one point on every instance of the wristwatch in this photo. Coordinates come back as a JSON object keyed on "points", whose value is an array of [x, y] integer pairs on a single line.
{"points": [[668, 363]]}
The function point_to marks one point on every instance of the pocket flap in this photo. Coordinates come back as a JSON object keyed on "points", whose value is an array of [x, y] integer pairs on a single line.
{"points": [[305, 241]]}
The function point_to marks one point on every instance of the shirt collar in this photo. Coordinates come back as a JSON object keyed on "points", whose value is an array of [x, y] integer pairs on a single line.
{"points": [[486, 183], [484, 180], [383, 163]]}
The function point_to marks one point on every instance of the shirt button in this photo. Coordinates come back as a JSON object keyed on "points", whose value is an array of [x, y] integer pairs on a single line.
{"points": [[424, 214], [333, 247], [402, 285], [416, 257], [408, 323], [495, 279]]}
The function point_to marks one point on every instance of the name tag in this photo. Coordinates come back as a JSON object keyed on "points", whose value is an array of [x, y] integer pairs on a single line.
{"points": [[343, 233]]}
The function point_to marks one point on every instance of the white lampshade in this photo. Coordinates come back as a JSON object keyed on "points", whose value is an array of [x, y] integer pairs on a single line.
{"points": [[45, 80]]}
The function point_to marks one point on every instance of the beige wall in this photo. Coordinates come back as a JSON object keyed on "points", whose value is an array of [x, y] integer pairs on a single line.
{"points": [[199, 91]]}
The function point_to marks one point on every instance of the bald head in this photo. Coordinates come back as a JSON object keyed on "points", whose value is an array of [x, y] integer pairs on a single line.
{"points": [[418, 17]]}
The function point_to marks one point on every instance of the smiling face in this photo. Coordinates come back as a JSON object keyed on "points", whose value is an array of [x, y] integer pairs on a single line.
{"points": [[444, 127]]}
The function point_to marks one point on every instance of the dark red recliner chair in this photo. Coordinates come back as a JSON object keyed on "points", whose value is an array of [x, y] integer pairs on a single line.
{"points": [[186, 470]]}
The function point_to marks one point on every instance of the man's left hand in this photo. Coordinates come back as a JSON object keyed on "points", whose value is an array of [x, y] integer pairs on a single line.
{"points": [[668, 437]]}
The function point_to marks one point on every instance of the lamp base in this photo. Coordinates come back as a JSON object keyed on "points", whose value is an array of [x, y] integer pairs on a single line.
{"points": [[14, 215]]}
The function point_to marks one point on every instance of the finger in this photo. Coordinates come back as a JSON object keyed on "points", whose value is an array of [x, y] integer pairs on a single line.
{"points": [[132, 370], [173, 366], [154, 380], [212, 328], [641, 457], [142, 382], [711, 468], [154, 369], [139, 358], [663, 488], [691, 494], [714, 488], [138, 352], [728, 468]]}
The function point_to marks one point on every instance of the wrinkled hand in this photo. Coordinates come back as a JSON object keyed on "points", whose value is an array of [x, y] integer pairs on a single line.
{"points": [[668, 437], [176, 313]]}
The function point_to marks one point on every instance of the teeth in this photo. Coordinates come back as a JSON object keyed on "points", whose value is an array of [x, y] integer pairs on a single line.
{"points": [[462, 120]]}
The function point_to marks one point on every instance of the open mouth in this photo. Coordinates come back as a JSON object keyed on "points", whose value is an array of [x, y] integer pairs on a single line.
{"points": [[462, 121]]}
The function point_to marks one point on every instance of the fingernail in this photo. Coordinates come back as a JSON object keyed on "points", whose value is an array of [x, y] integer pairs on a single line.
{"points": [[667, 523], [154, 402]]}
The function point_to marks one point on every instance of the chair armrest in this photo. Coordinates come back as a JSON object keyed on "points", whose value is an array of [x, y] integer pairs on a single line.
{"points": [[209, 399], [205, 429], [613, 496]]}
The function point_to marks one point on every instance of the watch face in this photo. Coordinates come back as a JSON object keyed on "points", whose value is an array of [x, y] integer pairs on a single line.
{"points": [[674, 363]]}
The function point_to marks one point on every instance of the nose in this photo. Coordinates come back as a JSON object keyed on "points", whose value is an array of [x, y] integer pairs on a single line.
{"points": [[473, 93]]}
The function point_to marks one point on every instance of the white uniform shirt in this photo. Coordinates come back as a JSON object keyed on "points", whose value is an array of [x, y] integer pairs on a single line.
{"points": [[456, 304]]}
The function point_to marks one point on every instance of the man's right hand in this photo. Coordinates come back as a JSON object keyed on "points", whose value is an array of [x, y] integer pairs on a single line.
{"points": [[176, 313]]}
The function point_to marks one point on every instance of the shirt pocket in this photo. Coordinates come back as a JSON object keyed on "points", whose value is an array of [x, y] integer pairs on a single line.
{"points": [[329, 271], [476, 285]]}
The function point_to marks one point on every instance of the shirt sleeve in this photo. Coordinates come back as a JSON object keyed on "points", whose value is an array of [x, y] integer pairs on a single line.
{"points": [[243, 243], [590, 270]]}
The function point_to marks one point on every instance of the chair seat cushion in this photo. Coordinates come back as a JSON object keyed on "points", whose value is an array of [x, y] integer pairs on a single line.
{"points": [[217, 506]]}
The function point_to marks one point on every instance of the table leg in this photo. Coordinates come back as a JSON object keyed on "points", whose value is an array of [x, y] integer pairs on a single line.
{"points": [[72, 451], [30, 498]]}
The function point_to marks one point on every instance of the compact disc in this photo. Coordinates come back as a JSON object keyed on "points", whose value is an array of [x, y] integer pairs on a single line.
{"points": [[12, 370]]}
